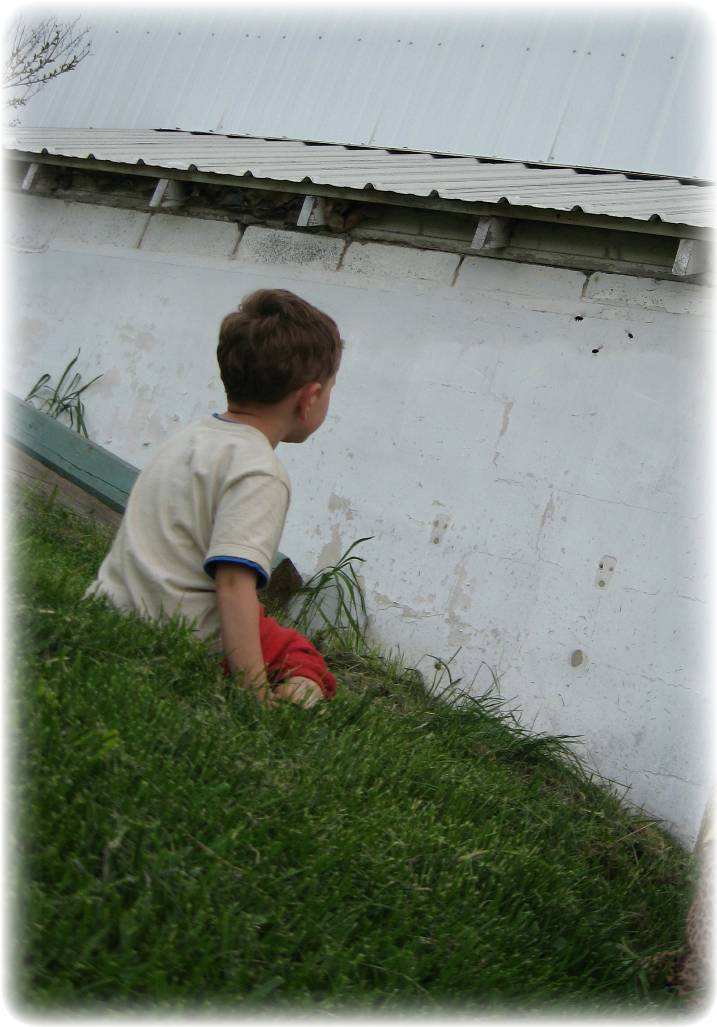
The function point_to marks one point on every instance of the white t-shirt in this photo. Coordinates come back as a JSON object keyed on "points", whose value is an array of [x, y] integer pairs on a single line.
{"points": [[216, 491]]}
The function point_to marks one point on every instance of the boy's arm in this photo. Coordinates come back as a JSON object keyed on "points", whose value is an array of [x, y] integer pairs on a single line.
{"points": [[238, 609]]}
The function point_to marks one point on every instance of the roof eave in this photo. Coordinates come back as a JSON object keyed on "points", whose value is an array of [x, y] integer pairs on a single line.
{"points": [[503, 208]]}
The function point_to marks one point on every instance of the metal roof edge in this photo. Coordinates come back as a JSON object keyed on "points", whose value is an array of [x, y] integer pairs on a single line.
{"points": [[443, 155], [621, 204]]}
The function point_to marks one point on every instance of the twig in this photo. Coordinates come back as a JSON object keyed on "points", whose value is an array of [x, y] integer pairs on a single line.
{"points": [[213, 853]]}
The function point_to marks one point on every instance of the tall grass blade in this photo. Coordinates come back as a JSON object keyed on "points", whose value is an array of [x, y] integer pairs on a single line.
{"points": [[338, 586], [63, 400]]}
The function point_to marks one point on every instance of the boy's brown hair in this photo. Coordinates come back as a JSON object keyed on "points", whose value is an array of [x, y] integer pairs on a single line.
{"points": [[273, 344]]}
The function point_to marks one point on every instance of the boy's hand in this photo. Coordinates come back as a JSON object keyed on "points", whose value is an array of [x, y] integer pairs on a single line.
{"points": [[302, 691]]}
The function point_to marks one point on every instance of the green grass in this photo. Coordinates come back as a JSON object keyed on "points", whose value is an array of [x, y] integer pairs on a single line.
{"points": [[182, 848]]}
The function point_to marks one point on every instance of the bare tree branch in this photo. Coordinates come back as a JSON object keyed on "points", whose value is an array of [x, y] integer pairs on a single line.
{"points": [[39, 53]]}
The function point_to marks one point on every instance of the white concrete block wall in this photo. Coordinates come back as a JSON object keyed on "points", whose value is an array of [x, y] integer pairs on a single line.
{"points": [[497, 276], [265, 246], [171, 234], [497, 428], [83, 224], [380, 259], [31, 222]]}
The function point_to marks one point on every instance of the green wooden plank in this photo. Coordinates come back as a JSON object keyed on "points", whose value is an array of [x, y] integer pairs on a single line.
{"points": [[93, 468], [72, 456]]}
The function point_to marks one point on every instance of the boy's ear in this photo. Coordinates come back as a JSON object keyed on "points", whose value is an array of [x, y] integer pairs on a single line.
{"points": [[306, 397]]}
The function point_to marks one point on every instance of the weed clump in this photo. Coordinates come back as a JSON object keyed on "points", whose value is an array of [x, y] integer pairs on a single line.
{"points": [[63, 401]]}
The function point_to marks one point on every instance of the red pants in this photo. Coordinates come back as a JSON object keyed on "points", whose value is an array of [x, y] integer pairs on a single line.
{"points": [[287, 653]]}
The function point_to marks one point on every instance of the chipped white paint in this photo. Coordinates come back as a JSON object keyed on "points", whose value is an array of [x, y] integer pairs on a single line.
{"points": [[499, 432]]}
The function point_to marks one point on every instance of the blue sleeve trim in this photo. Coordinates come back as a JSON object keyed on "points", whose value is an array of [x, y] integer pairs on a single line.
{"points": [[260, 572]]}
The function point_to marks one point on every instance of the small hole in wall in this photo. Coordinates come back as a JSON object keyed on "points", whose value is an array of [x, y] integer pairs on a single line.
{"points": [[630, 335], [578, 317], [597, 350]]}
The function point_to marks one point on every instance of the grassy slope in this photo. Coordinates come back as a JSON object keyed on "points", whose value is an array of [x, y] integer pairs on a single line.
{"points": [[181, 845]]}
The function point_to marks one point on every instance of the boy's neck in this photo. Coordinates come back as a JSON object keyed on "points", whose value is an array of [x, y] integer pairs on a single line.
{"points": [[292, 419], [270, 426]]}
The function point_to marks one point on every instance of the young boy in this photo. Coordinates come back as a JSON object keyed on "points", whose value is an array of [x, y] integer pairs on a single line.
{"points": [[205, 516]]}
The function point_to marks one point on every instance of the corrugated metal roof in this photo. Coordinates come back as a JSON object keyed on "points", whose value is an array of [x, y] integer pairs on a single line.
{"points": [[467, 179], [620, 88]]}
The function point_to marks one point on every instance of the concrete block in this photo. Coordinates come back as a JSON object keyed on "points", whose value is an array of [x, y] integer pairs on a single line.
{"points": [[382, 259], [272, 246], [183, 236], [100, 226], [17, 172], [484, 274], [32, 220], [394, 219], [436, 224], [649, 293]]}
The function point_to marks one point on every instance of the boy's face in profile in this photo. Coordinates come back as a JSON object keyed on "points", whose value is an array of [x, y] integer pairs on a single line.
{"points": [[316, 413], [322, 402]]}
